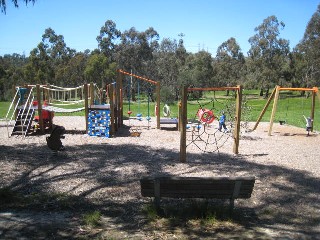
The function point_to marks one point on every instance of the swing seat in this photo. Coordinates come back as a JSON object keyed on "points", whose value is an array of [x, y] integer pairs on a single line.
{"points": [[282, 122]]}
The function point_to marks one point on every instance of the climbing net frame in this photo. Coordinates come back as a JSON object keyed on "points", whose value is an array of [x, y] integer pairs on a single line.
{"points": [[203, 136]]}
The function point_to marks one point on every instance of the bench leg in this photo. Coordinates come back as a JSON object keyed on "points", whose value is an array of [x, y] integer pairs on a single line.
{"points": [[231, 205], [157, 203], [157, 194]]}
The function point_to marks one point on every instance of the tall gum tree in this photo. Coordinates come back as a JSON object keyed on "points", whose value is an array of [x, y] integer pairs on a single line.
{"points": [[268, 53], [307, 53], [229, 63]]}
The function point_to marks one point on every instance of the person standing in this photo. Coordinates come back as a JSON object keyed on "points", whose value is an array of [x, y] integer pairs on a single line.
{"points": [[222, 122]]}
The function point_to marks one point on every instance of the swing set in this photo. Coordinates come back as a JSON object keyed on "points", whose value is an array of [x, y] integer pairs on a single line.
{"points": [[121, 74], [129, 90], [275, 96]]}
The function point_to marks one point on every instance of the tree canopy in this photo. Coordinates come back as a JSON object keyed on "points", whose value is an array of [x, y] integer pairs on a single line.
{"points": [[3, 4]]}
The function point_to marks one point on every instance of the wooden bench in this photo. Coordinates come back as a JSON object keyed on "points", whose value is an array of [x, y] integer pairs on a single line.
{"points": [[197, 187]]}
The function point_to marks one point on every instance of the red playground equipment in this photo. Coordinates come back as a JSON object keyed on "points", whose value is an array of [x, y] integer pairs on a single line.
{"points": [[205, 115], [46, 115]]}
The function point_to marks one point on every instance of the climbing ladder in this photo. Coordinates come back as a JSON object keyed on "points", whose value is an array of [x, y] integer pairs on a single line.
{"points": [[22, 111], [23, 122]]}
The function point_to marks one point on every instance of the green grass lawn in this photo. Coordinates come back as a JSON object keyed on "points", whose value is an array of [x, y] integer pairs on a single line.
{"points": [[291, 107], [4, 106]]}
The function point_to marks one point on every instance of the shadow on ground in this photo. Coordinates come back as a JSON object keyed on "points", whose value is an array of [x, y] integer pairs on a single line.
{"points": [[58, 190]]}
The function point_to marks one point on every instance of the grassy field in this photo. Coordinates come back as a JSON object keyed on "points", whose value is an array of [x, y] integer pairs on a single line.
{"points": [[291, 107]]}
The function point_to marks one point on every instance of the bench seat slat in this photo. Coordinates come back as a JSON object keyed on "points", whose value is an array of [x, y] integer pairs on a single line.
{"points": [[197, 194], [197, 187]]}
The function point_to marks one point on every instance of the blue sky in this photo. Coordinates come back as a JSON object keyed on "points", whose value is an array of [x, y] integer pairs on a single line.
{"points": [[206, 24]]}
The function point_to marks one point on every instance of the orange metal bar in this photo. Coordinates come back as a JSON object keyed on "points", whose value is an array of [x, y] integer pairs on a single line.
{"points": [[213, 89], [136, 76]]}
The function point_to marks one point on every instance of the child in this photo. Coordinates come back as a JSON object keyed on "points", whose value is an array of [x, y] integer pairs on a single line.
{"points": [[309, 121], [222, 122]]}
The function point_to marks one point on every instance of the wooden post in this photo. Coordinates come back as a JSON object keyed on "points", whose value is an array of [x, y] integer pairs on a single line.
{"points": [[183, 122], [313, 106], [158, 104], [317, 92], [157, 193], [47, 93], [86, 101], [120, 99], [112, 108], [91, 93], [274, 109], [40, 108], [236, 133], [179, 116], [264, 109], [118, 104]]}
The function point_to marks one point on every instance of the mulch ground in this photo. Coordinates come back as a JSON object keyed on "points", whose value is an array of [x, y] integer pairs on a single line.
{"points": [[54, 192]]}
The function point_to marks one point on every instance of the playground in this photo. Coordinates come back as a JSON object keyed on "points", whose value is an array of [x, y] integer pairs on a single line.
{"points": [[102, 174], [94, 163]]}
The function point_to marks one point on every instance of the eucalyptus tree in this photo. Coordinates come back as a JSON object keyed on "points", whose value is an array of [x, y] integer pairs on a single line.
{"points": [[74, 71], [268, 55], [56, 47], [3, 81], [49, 60], [11, 74], [135, 52], [307, 53], [229, 63], [150, 46], [98, 69], [198, 70], [108, 39], [168, 67], [40, 68]]}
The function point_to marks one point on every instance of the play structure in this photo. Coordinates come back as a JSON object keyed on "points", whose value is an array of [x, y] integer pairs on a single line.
{"points": [[33, 106], [275, 95], [200, 132]]}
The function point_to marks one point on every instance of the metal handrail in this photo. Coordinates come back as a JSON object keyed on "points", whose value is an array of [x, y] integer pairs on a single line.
{"points": [[28, 112], [10, 109], [29, 104]]}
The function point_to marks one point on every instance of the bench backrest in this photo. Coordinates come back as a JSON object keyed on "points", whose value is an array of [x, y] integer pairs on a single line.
{"points": [[197, 187]]}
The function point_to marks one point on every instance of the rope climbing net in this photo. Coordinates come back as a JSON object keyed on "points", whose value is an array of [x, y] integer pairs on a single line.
{"points": [[213, 124], [204, 131], [207, 138]]}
